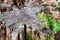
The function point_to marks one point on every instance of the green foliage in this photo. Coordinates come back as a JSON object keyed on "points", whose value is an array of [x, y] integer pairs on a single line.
{"points": [[44, 18], [56, 0], [49, 37], [58, 3], [52, 23], [29, 36]]}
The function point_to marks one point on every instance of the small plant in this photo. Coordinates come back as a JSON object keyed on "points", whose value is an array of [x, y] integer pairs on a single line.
{"points": [[49, 37], [58, 3], [29, 36]]}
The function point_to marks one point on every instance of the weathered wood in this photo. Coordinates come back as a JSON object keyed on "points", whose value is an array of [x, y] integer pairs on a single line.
{"points": [[3, 9], [18, 37], [5, 33], [2, 31], [9, 34]]}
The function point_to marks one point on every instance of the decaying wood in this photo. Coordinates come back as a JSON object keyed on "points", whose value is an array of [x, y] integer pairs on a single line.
{"points": [[2, 31], [21, 2], [3, 9], [5, 33], [18, 37], [9, 34]]}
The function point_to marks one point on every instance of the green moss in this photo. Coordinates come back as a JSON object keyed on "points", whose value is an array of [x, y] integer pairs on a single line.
{"points": [[58, 3]]}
